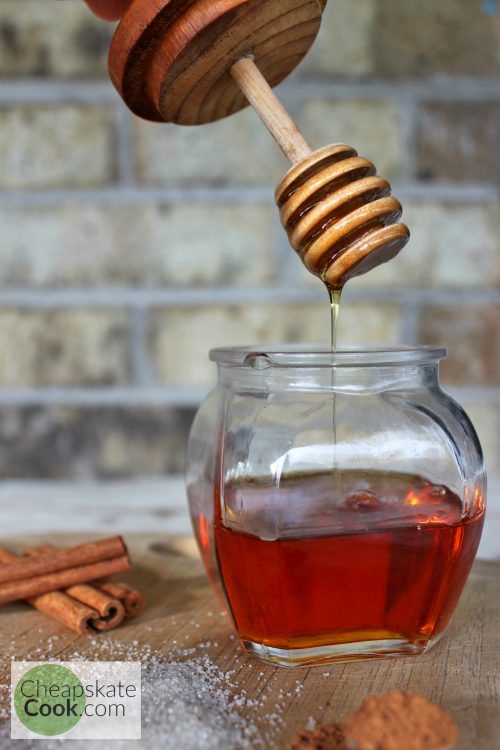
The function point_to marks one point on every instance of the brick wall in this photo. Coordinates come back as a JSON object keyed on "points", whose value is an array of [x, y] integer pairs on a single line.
{"points": [[127, 249]]}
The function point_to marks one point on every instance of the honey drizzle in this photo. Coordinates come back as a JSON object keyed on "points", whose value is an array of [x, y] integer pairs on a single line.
{"points": [[334, 295]]}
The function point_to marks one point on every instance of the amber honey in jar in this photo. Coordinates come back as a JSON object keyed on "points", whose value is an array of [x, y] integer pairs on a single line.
{"points": [[337, 498]]}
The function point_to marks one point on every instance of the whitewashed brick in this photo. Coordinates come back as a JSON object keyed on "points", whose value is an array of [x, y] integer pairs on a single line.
{"points": [[373, 128], [237, 151], [56, 146], [63, 347], [52, 39], [472, 336], [344, 44], [88, 443], [436, 37], [486, 419], [153, 245], [181, 338]]}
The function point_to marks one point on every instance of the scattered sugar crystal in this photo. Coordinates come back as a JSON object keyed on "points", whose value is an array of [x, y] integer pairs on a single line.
{"points": [[190, 705], [311, 724], [188, 702]]}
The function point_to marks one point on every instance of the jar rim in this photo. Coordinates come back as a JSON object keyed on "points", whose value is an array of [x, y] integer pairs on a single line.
{"points": [[314, 355]]}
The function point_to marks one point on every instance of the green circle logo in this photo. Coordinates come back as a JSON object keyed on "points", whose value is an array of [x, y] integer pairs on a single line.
{"points": [[49, 699]]}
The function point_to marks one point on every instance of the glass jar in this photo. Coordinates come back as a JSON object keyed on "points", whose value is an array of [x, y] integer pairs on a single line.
{"points": [[337, 499]]}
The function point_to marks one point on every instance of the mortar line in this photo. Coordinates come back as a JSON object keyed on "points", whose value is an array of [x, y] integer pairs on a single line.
{"points": [[283, 253], [477, 394], [56, 91], [125, 150], [142, 370], [109, 297], [410, 322], [466, 192], [440, 88], [448, 192], [137, 194], [99, 90], [180, 396], [408, 113]]}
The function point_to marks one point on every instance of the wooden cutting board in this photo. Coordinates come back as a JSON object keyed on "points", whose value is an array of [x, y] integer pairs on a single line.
{"points": [[462, 673]]}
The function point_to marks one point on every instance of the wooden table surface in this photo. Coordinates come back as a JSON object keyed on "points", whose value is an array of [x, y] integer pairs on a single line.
{"points": [[461, 673]]}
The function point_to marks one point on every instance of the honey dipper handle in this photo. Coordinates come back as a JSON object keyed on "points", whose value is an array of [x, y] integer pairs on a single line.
{"points": [[270, 110]]}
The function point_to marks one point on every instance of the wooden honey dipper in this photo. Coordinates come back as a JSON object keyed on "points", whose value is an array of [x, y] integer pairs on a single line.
{"points": [[196, 61]]}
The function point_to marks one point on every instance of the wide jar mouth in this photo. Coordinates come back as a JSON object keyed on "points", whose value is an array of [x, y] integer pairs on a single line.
{"points": [[315, 356]]}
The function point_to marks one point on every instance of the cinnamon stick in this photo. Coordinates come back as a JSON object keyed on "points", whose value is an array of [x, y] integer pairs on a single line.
{"points": [[75, 615], [14, 590], [62, 559], [59, 606], [132, 600], [110, 611]]}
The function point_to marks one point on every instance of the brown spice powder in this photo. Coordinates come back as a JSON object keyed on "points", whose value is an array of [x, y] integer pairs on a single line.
{"points": [[400, 721], [390, 721], [321, 738]]}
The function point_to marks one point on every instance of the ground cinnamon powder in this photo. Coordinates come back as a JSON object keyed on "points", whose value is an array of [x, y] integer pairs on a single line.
{"points": [[321, 738], [390, 721], [400, 721]]}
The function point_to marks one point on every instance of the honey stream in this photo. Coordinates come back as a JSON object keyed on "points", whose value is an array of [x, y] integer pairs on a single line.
{"points": [[334, 295]]}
